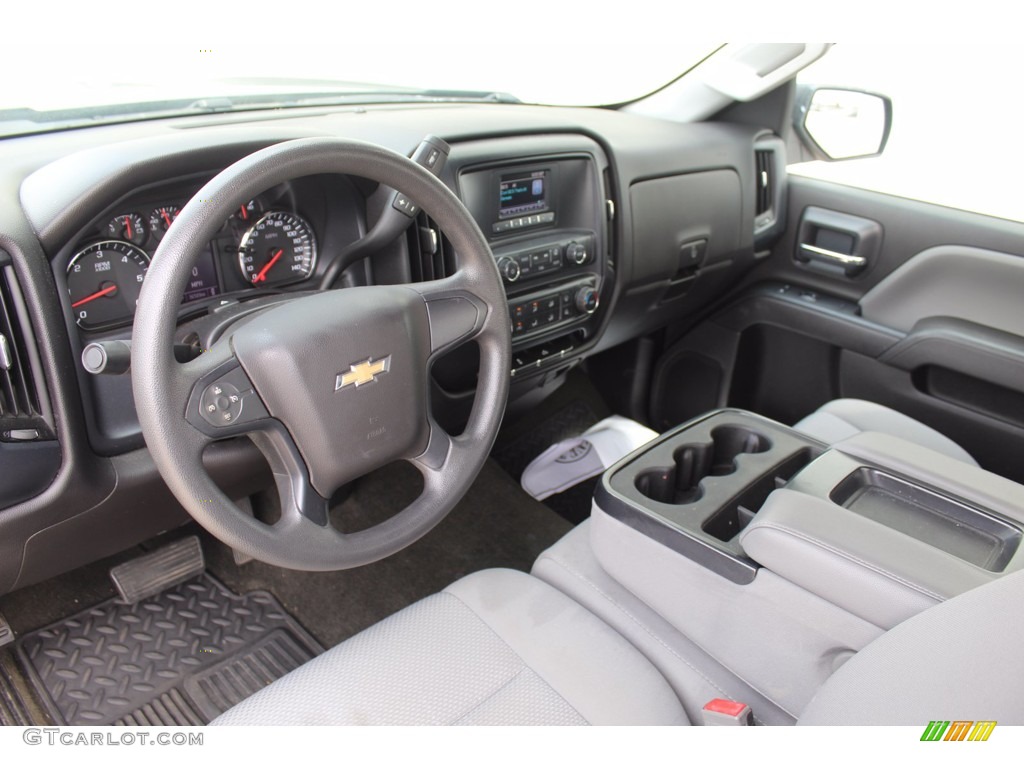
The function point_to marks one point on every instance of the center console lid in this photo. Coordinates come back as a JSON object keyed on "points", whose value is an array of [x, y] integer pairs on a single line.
{"points": [[885, 528]]}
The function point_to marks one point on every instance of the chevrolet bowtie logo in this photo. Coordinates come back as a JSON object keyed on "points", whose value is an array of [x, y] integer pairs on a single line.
{"points": [[363, 373]]}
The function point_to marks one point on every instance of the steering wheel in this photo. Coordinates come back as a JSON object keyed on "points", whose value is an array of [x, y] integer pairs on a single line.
{"points": [[329, 386]]}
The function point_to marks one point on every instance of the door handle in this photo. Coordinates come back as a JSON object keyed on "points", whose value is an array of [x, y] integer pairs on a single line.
{"points": [[844, 260], [835, 243]]}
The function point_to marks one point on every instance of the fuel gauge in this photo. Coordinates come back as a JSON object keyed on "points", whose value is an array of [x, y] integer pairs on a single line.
{"points": [[128, 226]]}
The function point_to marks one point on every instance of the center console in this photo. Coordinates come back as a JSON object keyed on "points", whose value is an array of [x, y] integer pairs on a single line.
{"points": [[776, 557], [698, 486], [735, 493]]}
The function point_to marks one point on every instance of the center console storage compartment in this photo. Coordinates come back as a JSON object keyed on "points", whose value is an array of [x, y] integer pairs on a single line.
{"points": [[960, 529]]}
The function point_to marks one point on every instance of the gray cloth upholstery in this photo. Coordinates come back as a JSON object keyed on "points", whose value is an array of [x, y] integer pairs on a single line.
{"points": [[498, 647], [840, 419], [869, 569], [695, 676], [960, 660]]}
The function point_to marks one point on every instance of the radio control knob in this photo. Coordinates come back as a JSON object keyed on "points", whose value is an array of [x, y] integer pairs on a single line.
{"points": [[576, 253], [586, 300], [509, 269]]}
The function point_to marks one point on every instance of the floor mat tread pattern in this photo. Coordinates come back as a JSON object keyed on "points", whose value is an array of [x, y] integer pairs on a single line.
{"points": [[142, 664], [12, 710]]}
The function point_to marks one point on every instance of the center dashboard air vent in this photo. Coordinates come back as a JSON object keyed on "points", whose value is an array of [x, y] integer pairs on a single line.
{"points": [[430, 253]]}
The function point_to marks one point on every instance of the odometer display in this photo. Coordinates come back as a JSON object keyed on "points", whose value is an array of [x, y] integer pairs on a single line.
{"points": [[104, 280], [279, 248]]}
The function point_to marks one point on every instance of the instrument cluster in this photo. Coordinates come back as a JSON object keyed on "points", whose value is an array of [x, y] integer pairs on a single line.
{"points": [[266, 243]]}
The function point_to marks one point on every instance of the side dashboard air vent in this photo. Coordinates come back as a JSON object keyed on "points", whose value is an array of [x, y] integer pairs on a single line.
{"points": [[769, 190], [29, 456], [765, 171], [430, 254], [23, 404]]}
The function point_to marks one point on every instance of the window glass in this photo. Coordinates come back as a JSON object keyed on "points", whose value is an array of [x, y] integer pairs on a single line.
{"points": [[957, 114]]}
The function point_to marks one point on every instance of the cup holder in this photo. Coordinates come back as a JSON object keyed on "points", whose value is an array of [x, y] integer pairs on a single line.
{"points": [[680, 483]]}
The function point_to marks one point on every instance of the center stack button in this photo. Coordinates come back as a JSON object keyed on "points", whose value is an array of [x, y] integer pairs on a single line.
{"points": [[509, 269]]}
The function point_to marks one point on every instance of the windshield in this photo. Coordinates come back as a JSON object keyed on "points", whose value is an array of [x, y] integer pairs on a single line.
{"points": [[71, 86]]}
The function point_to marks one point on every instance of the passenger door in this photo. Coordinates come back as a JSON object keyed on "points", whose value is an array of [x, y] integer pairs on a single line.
{"points": [[931, 323]]}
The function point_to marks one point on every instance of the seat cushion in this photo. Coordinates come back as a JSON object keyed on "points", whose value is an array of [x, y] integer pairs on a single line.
{"points": [[960, 659], [840, 419], [571, 566], [498, 647]]}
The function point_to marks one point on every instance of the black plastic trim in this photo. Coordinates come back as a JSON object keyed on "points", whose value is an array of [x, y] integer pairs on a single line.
{"points": [[809, 312], [683, 524]]}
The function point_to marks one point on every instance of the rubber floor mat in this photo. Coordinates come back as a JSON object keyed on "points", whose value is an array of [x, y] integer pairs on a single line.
{"points": [[12, 711], [179, 658]]}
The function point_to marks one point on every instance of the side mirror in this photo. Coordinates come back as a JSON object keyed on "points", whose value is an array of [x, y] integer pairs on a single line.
{"points": [[841, 123]]}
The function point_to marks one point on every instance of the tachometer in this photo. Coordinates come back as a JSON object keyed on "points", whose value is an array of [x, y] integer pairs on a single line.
{"points": [[279, 248], [104, 280]]}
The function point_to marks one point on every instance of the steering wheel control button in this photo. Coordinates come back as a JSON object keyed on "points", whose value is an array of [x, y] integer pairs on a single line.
{"points": [[230, 400], [405, 205], [221, 403]]}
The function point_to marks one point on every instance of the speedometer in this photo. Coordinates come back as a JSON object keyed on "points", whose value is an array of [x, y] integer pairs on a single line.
{"points": [[279, 248], [104, 280]]}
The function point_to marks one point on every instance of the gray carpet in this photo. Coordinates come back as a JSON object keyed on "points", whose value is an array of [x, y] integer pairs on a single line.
{"points": [[496, 525]]}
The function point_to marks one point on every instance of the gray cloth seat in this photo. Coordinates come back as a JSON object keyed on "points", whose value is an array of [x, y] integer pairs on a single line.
{"points": [[501, 647], [498, 647], [961, 657], [839, 419]]}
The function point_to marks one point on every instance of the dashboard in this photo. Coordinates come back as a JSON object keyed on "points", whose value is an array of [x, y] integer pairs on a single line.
{"points": [[604, 227]]}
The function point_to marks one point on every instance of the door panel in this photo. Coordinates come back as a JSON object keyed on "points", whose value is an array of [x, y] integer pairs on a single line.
{"points": [[933, 326], [908, 228], [957, 281]]}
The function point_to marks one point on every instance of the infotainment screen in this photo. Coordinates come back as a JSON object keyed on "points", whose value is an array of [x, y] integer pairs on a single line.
{"points": [[525, 192]]}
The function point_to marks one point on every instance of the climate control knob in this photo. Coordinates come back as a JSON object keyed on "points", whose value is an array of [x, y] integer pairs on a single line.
{"points": [[586, 300], [509, 269], [576, 253]]}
